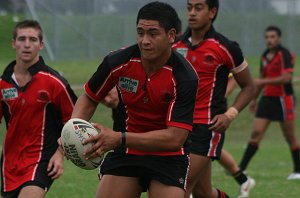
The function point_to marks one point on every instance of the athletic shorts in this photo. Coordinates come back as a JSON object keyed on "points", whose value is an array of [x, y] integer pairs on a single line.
{"points": [[169, 170], [206, 142], [41, 180], [276, 108]]}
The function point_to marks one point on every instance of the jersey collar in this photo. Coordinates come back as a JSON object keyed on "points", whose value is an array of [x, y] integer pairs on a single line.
{"points": [[34, 69], [186, 37]]}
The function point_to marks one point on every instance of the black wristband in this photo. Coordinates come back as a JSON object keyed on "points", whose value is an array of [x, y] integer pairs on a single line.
{"points": [[123, 139]]}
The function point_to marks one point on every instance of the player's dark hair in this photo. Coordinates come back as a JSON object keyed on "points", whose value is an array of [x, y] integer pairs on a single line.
{"points": [[179, 27], [28, 24], [165, 14], [275, 29], [213, 4]]}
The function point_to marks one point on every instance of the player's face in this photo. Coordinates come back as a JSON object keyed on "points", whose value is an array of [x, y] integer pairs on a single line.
{"points": [[199, 14], [27, 44], [272, 39], [154, 42]]}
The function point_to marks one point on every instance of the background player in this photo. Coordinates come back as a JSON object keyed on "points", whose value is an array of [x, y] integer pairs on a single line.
{"points": [[35, 102], [277, 102], [227, 161], [213, 57], [157, 88]]}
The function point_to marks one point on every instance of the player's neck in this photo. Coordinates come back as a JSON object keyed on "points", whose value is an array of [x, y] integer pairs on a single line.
{"points": [[152, 66], [198, 34], [21, 66]]}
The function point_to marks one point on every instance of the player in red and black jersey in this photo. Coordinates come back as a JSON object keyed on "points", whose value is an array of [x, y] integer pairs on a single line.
{"points": [[213, 56], [35, 101], [277, 102], [157, 89]]}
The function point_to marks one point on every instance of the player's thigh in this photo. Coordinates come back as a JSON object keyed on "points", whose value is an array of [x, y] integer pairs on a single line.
{"points": [[198, 166], [32, 192], [112, 186], [158, 189]]}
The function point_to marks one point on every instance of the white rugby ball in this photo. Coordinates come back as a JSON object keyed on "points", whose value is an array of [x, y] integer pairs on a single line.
{"points": [[74, 132]]}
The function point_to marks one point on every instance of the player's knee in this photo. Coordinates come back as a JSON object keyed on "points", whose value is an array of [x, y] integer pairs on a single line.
{"points": [[256, 136]]}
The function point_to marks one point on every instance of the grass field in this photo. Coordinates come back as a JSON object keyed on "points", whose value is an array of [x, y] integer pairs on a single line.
{"points": [[270, 166]]}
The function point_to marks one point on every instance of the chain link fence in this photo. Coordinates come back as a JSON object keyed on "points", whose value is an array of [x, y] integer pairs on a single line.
{"points": [[88, 29]]}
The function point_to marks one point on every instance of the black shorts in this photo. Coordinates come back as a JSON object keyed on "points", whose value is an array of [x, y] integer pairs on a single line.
{"points": [[41, 180], [206, 142], [276, 108], [169, 170]]}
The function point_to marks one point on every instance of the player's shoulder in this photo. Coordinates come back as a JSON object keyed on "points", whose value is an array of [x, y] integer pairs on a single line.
{"points": [[123, 55], [52, 76], [230, 45], [285, 51], [8, 71], [182, 67]]}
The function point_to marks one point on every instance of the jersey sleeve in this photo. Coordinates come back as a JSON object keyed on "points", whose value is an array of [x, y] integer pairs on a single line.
{"points": [[1, 111], [234, 59], [64, 100], [101, 82], [288, 65], [181, 109]]}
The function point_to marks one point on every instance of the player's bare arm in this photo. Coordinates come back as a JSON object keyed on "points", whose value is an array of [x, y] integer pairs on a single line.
{"points": [[280, 80], [222, 121], [84, 108], [112, 99], [170, 139]]}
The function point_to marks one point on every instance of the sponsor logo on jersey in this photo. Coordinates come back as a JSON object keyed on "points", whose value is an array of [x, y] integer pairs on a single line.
{"points": [[10, 93], [43, 96], [182, 51], [128, 84]]}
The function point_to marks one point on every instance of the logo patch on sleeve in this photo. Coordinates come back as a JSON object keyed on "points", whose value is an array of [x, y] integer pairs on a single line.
{"points": [[182, 51], [10, 93], [128, 84]]}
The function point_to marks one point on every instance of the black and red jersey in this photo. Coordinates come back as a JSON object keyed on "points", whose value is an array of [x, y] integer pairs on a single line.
{"points": [[282, 62], [166, 98], [34, 116], [213, 59]]}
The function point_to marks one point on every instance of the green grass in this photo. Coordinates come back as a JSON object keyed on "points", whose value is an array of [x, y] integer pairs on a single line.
{"points": [[270, 166]]}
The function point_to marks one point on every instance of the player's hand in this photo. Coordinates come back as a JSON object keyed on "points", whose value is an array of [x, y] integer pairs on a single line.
{"points": [[220, 123], [56, 165], [253, 106], [105, 141]]}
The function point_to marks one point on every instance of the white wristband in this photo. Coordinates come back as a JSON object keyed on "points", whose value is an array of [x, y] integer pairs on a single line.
{"points": [[232, 113]]}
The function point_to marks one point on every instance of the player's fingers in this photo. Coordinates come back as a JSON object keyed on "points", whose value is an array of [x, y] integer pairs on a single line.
{"points": [[215, 125], [91, 152], [54, 170], [97, 125], [50, 165], [91, 139], [58, 174]]}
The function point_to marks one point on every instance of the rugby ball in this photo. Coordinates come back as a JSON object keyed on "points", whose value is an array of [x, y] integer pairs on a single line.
{"points": [[74, 132]]}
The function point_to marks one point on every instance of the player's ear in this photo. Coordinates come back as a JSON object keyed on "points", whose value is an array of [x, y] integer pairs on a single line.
{"points": [[42, 45], [172, 35], [212, 13], [13, 43]]}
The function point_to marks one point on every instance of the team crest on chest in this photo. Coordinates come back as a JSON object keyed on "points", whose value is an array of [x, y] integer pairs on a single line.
{"points": [[128, 84], [182, 51], [10, 93]]}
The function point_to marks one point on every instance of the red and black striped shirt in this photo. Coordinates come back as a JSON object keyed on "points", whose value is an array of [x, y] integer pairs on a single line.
{"points": [[166, 98], [213, 59], [34, 116]]}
